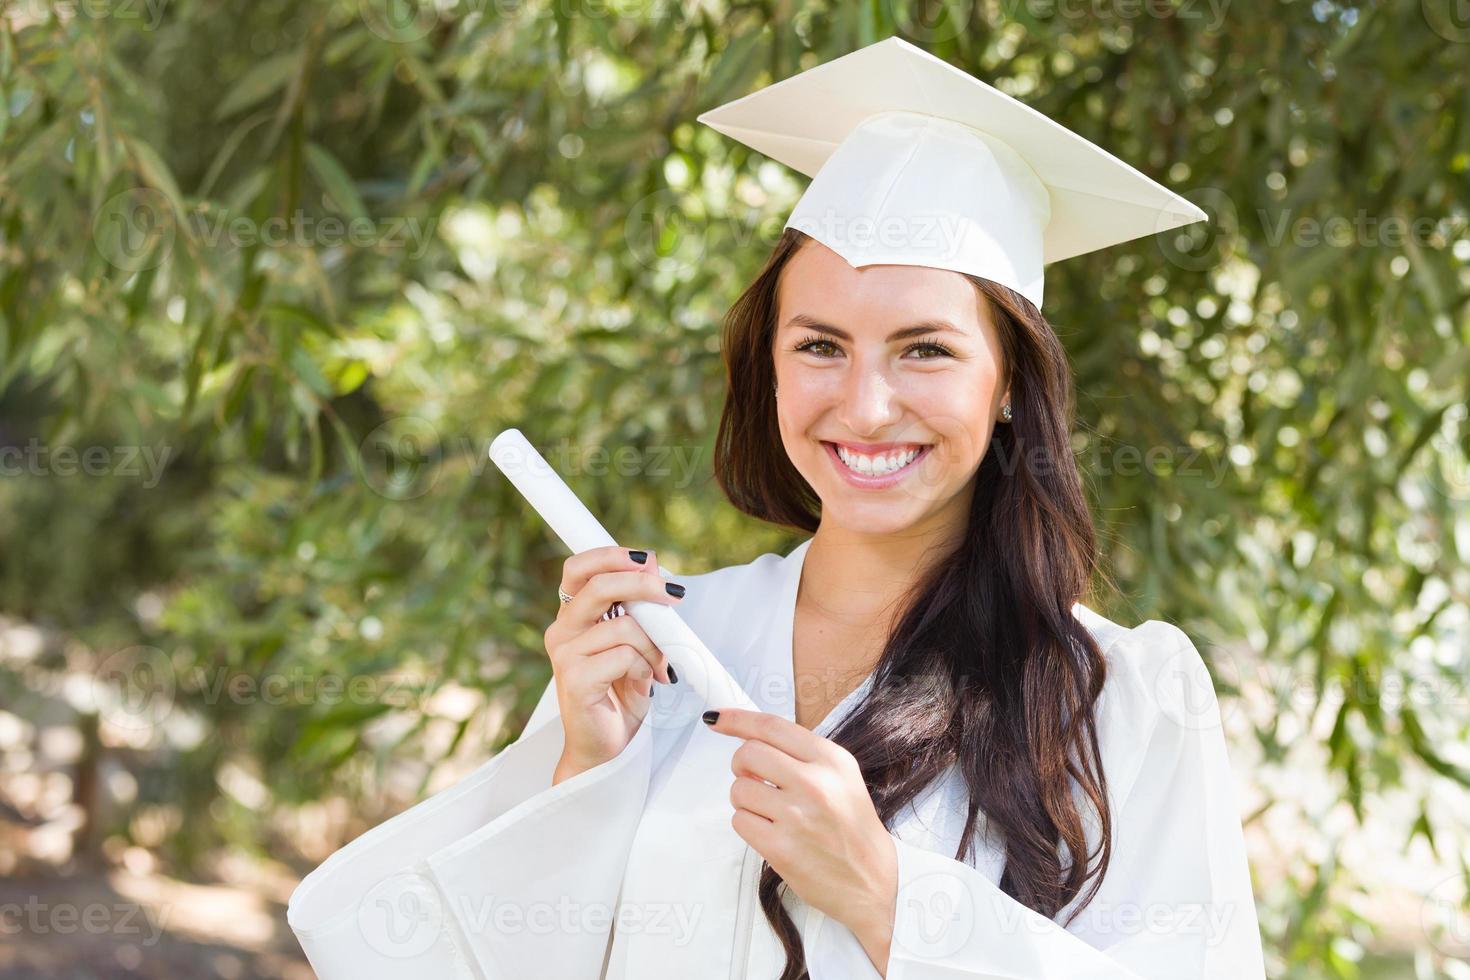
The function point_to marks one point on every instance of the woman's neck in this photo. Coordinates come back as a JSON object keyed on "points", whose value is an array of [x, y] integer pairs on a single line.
{"points": [[856, 581]]}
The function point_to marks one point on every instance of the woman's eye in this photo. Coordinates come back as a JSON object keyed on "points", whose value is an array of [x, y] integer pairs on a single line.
{"points": [[811, 344], [814, 343]]}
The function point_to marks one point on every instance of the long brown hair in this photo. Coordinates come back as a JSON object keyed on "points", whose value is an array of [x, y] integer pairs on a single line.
{"points": [[987, 669]]}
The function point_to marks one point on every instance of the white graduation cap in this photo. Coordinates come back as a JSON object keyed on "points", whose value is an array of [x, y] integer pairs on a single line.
{"points": [[914, 162]]}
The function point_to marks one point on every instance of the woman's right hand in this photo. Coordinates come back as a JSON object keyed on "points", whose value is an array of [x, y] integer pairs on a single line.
{"points": [[604, 669]]}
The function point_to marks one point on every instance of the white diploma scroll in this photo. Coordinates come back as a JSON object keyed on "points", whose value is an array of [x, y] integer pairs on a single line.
{"points": [[570, 519]]}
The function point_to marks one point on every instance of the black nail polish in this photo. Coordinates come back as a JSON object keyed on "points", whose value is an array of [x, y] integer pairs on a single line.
{"points": [[674, 589], [639, 556], [710, 717], [673, 677]]}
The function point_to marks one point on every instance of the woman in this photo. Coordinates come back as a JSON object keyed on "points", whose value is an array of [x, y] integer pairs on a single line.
{"points": [[958, 769]]}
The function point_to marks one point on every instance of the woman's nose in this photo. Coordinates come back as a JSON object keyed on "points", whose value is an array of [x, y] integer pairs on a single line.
{"points": [[870, 401]]}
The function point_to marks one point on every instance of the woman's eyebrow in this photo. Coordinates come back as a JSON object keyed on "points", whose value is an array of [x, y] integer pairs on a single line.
{"points": [[927, 326]]}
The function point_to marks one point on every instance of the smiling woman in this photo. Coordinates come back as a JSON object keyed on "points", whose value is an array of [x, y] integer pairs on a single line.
{"points": [[957, 769], [934, 385], [962, 561], [920, 429]]}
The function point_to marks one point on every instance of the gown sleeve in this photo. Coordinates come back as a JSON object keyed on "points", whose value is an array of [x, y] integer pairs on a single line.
{"points": [[1176, 901], [502, 875]]}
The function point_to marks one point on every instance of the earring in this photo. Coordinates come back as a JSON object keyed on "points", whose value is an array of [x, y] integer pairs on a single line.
{"points": [[774, 386], [1005, 412]]}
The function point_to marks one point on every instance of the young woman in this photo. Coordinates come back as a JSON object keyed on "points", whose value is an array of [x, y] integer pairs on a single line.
{"points": [[958, 769]]}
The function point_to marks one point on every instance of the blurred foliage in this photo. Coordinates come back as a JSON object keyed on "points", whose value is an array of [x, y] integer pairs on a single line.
{"points": [[312, 256]]}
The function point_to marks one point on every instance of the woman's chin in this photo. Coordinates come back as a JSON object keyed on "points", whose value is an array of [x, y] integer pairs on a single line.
{"points": [[895, 500], [878, 512]]}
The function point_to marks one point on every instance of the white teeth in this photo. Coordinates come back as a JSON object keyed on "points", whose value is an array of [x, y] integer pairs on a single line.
{"points": [[877, 465]]}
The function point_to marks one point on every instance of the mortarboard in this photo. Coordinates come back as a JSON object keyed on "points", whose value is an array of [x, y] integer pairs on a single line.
{"points": [[914, 162]]}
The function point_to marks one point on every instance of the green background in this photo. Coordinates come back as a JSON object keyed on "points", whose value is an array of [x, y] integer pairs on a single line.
{"points": [[310, 257]]}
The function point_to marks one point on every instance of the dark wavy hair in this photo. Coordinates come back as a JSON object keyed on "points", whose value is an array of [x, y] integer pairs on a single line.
{"points": [[986, 669]]}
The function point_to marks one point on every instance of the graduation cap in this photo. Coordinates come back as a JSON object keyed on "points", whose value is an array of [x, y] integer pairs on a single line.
{"points": [[914, 162]]}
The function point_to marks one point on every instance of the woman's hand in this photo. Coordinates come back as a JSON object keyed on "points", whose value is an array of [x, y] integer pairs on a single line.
{"points": [[604, 669], [816, 826]]}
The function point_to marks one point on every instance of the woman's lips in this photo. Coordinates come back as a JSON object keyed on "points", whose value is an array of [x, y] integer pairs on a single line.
{"points": [[862, 482]]}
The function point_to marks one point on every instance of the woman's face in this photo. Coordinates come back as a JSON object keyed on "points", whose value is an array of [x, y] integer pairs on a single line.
{"points": [[858, 368]]}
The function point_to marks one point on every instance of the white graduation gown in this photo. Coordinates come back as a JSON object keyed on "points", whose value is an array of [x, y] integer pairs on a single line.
{"points": [[631, 870]]}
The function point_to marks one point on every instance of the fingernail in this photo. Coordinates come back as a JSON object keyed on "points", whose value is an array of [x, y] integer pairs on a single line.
{"points": [[710, 717], [639, 556], [674, 589], [673, 677]]}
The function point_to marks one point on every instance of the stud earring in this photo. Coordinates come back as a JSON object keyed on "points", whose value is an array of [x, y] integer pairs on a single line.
{"points": [[1005, 413]]}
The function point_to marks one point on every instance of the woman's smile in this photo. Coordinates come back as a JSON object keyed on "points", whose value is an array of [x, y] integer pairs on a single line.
{"points": [[876, 471]]}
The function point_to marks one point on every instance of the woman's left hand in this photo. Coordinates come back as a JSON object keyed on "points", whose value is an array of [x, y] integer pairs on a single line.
{"points": [[816, 826]]}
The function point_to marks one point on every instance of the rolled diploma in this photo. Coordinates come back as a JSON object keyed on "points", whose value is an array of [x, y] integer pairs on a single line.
{"points": [[570, 519]]}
